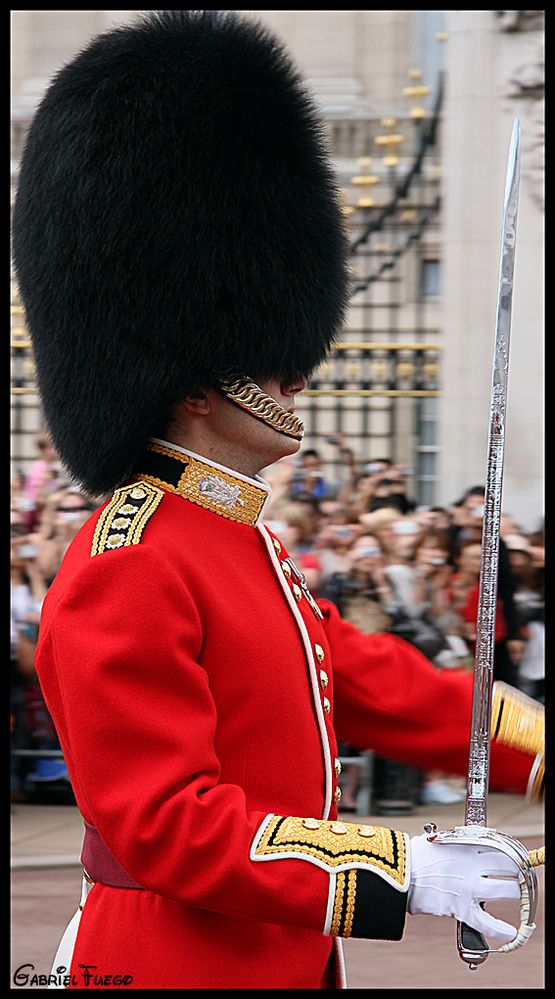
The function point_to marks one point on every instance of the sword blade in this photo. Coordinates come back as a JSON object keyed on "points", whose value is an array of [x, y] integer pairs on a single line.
{"points": [[478, 762]]}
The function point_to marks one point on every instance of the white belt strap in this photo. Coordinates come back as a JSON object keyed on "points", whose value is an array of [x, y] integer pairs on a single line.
{"points": [[62, 961]]}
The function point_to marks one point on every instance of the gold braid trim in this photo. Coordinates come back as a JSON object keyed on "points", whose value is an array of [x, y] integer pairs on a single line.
{"points": [[123, 521], [336, 844], [350, 906], [250, 396], [338, 904], [517, 720]]}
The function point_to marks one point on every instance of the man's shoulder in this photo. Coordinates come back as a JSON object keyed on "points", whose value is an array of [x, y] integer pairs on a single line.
{"points": [[123, 519], [133, 526], [126, 547]]}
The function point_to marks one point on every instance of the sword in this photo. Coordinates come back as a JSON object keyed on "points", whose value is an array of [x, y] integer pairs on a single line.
{"points": [[478, 762], [469, 940], [472, 946]]}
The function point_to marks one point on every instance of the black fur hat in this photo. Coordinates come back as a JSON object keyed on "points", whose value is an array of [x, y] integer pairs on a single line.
{"points": [[176, 216]]}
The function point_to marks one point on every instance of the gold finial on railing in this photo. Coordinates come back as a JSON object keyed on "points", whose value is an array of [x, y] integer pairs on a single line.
{"points": [[391, 140], [416, 92], [365, 179]]}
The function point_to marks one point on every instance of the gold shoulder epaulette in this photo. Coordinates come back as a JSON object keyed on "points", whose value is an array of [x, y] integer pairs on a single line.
{"points": [[124, 519]]}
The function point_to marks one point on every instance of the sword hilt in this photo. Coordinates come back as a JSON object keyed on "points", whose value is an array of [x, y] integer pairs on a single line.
{"points": [[472, 946]]}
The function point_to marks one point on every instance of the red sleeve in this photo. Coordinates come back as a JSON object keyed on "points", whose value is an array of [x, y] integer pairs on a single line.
{"points": [[118, 660], [389, 698]]}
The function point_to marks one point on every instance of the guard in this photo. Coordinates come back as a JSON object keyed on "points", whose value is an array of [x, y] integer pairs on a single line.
{"points": [[182, 262]]}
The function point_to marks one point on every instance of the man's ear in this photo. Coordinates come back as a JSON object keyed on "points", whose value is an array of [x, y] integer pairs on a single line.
{"points": [[198, 401]]}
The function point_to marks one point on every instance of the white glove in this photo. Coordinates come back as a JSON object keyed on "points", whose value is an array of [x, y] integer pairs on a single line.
{"points": [[451, 879]]}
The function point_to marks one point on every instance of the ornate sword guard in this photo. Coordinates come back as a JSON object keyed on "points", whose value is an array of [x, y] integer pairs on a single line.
{"points": [[513, 848]]}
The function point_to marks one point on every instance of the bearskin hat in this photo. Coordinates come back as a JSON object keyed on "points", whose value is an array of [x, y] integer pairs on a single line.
{"points": [[176, 216]]}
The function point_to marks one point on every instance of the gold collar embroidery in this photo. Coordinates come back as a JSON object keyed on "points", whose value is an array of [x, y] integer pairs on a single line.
{"points": [[205, 483]]}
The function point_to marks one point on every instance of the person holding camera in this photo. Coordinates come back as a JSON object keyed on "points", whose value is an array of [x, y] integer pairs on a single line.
{"points": [[380, 484], [368, 586], [333, 547], [392, 489], [308, 480], [433, 568]]}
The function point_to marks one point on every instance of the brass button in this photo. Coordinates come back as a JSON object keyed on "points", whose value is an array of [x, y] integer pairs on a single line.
{"points": [[366, 831], [320, 655], [297, 592], [286, 569], [277, 545], [339, 828], [337, 766], [311, 823], [327, 706], [338, 795], [324, 679], [115, 540], [128, 509]]}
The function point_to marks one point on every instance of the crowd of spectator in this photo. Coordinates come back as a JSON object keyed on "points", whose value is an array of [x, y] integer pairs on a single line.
{"points": [[362, 542], [46, 513]]}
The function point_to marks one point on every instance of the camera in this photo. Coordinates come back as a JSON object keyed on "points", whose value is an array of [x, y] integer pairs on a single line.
{"points": [[342, 531], [28, 551]]}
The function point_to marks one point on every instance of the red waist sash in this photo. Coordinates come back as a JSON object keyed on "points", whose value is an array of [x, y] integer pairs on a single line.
{"points": [[100, 864]]}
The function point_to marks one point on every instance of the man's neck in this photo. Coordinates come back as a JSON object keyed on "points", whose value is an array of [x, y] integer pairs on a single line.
{"points": [[234, 458], [212, 455]]}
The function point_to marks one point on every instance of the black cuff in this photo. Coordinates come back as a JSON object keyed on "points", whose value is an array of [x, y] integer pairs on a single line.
{"points": [[367, 906]]}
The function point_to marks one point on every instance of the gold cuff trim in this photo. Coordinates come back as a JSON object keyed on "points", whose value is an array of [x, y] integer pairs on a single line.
{"points": [[517, 720], [335, 845], [211, 488], [344, 905], [350, 905], [338, 904], [123, 521]]}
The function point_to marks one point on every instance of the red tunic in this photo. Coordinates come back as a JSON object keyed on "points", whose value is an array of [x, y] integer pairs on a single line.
{"points": [[195, 693]]}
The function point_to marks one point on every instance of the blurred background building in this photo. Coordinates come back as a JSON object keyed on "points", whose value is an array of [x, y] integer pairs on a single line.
{"points": [[419, 108]]}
